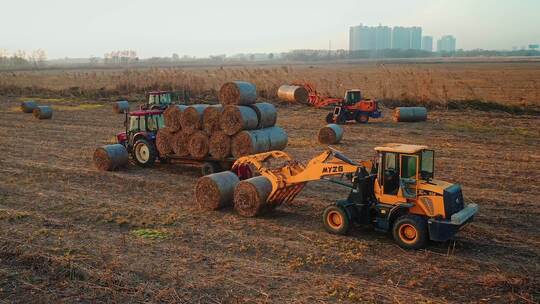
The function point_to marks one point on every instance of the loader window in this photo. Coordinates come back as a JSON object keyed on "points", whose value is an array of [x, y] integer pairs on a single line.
{"points": [[391, 173], [427, 164], [408, 166], [353, 97]]}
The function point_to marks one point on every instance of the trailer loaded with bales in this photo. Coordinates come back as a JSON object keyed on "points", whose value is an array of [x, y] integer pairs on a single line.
{"points": [[210, 136]]}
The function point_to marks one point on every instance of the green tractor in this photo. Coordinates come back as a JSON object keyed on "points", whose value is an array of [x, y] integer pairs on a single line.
{"points": [[158, 100]]}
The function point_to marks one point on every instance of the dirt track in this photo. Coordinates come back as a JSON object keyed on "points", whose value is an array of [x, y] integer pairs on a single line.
{"points": [[68, 230]]}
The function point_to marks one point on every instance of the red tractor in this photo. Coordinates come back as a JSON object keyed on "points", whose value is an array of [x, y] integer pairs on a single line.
{"points": [[353, 107], [140, 135]]}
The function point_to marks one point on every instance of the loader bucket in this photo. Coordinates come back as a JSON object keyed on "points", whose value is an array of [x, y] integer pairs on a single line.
{"points": [[285, 195]]}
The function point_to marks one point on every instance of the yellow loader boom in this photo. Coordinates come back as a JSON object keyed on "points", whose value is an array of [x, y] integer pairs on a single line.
{"points": [[290, 176]]}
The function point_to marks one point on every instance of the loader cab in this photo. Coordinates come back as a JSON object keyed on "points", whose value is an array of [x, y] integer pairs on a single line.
{"points": [[352, 97], [400, 168]]}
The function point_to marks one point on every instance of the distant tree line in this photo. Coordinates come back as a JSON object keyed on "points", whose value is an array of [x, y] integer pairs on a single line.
{"points": [[319, 55], [20, 58]]}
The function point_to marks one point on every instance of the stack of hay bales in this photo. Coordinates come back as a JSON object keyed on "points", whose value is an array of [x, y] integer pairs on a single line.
{"points": [[236, 127]]}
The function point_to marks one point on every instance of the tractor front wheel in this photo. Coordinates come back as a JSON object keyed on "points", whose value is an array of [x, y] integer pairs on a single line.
{"points": [[144, 153], [335, 220], [362, 118], [410, 231]]}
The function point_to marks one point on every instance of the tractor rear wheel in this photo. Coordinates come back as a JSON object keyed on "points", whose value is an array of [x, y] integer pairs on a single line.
{"points": [[144, 153], [330, 118], [362, 118], [410, 231], [335, 220]]}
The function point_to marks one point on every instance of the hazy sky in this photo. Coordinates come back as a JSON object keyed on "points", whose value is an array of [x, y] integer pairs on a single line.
{"points": [[78, 28]]}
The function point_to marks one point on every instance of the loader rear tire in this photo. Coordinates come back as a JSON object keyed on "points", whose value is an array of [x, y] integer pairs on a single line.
{"points": [[336, 220], [410, 231], [362, 118]]}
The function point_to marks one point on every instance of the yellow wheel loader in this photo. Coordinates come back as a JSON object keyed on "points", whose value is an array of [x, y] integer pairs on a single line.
{"points": [[396, 192]]}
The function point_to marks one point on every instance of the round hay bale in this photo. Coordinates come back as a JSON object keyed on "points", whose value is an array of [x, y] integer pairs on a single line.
{"points": [[237, 118], [164, 140], [172, 115], [211, 118], [238, 93], [410, 114], [266, 114], [198, 145], [216, 190], [330, 134], [192, 118], [291, 93], [121, 107], [258, 141], [28, 106], [43, 112], [278, 138], [250, 142], [220, 145], [180, 144], [250, 196], [110, 157]]}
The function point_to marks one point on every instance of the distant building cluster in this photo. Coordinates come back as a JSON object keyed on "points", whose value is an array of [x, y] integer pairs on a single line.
{"points": [[446, 44], [380, 37]]}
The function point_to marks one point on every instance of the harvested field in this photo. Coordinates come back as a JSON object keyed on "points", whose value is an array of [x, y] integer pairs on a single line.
{"points": [[72, 233]]}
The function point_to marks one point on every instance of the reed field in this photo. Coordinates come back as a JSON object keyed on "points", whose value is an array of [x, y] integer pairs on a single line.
{"points": [[71, 233], [509, 86]]}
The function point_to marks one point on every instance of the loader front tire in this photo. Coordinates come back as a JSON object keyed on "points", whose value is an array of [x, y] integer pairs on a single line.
{"points": [[330, 118], [336, 220], [410, 231]]}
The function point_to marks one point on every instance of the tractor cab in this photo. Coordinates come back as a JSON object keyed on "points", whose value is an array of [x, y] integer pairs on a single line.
{"points": [[140, 135], [159, 100]]}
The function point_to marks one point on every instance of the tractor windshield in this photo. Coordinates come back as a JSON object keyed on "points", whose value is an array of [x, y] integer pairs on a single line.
{"points": [[147, 123], [155, 122], [166, 98], [427, 164]]}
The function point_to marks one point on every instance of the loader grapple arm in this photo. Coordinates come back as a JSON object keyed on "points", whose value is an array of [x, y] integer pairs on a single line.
{"points": [[290, 176]]}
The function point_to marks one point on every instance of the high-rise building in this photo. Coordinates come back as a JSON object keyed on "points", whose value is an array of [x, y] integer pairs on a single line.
{"points": [[427, 43], [367, 37], [447, 43], [383, 37], [416, 38], [401, 38], [353, 38]]}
